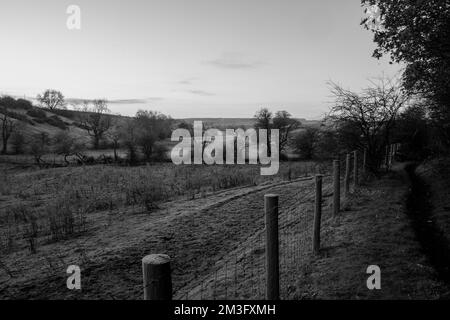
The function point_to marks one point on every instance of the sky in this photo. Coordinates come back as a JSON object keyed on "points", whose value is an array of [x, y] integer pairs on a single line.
{"points": [[189, 58]]}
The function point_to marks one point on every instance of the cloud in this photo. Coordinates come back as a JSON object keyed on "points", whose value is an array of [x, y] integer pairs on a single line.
{"points": [[128, 101], [187, 81], [116, 101], [234, 61], [201, 93], [77, 100]]}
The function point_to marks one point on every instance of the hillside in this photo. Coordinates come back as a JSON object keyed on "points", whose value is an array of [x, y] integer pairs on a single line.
{"points": [[31, 120]]}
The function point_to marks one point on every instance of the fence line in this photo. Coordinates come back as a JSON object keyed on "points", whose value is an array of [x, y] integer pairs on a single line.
{"points": [[261, 267], [336, 187], [347, 175], [317, 215], [272, 243]]}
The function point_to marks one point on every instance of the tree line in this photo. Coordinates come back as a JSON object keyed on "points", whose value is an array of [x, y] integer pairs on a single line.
{"points": [[138, 135], [417, 35], [413, 109]]}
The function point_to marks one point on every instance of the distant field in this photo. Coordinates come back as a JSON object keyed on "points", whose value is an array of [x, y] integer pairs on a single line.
{"points": [[57, 159], [233, 123]]}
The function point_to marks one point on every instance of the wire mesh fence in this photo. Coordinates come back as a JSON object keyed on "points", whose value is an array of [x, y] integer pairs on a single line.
{"points": [[243, 272]]}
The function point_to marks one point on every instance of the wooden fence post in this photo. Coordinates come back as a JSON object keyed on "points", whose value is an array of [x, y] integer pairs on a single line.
{"points": [[347, 175], [391, 156], [364, 167], [272, 258], [355, 169], [157, 277], [317, 215], [387, 158], [336, 187]]}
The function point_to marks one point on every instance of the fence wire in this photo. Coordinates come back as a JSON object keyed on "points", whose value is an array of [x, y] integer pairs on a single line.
{"points": [[242, 273]]}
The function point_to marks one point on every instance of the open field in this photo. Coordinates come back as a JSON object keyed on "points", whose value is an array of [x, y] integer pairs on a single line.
{"points": [[90, 215], [215, 236], [35, 201]]}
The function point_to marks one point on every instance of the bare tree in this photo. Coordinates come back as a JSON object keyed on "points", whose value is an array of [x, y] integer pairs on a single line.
{"points": [[8, 125], [95, 120], [65, 144], [39, 146], [116, 137], [129, 136], [370, 114], [52, 99], [285, 124], [18, 141], [263, 119], [152, 126]]}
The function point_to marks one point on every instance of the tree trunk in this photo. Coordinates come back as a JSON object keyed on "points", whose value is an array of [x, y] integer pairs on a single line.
{"points": [[5, 146], [96, 142], [65, 159], [115, 153]]}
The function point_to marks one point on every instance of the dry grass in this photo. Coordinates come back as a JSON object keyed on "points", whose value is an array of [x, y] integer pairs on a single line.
{"points": [[108, 203], [374, 230], [43, 206], [214, 235]]}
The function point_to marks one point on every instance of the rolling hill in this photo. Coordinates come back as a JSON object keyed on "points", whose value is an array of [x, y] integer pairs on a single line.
{"points": [[32, 120]]}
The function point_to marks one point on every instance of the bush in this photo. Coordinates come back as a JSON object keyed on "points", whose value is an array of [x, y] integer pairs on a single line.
{"points": [[327, 144], [146, 194], [70, 114], [17, 116], [56, 122], [24, 104], [37, 113], [18, 142], [160, 152], [305, 143]]}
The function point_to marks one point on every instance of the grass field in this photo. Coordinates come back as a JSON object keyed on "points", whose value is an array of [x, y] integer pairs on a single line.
{"points": [[210, 221], [43, 206], [53, 216]]}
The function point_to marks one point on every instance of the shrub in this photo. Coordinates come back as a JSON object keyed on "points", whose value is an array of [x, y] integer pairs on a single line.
{"points": [[56, 122], [160, 152], [24, 104], [18, 116], [18, 142], [305, 142], [37, 113]]}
